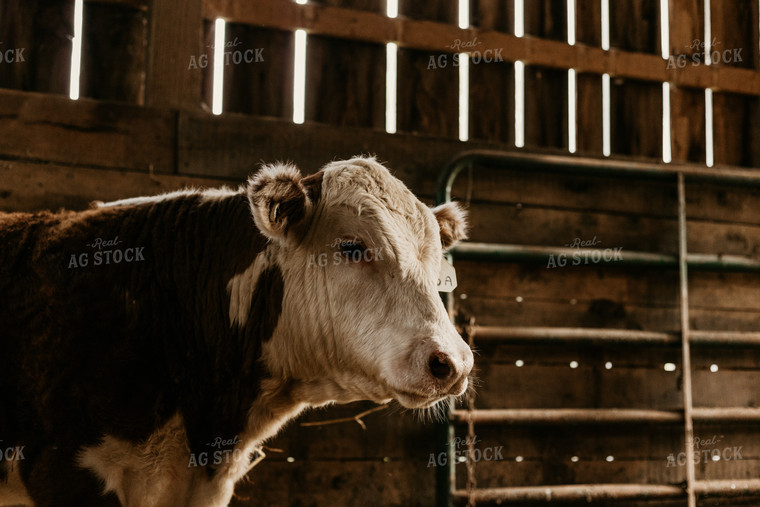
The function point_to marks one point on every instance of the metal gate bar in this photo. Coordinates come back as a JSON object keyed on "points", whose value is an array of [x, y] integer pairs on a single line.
{"points": [[529, 253], [614, 336], [603, 415], [688, 406], [591, 492], [446, 490]]}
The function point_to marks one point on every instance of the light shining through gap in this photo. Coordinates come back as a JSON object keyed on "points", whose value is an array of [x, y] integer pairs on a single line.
{"points": [[464, 76], [606, 25], [571, 111], [464, 96], [666, 153], [606, 142], [76, 51], [391, 8], [709, 153], [709, 132], [519, 104], [464, 14], [571, 22], [519, 19], [217, 93], [391, 66], [664, 29], [299, 77]]}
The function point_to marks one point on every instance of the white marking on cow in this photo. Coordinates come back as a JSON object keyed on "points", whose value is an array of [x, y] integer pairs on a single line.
{"points": [[215, 194], [207, 195], [136, 201], [13, 491], [157, 473], [153, 474], [241, 288]]}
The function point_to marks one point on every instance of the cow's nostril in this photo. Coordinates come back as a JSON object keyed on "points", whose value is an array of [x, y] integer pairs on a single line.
{"points": [[440, 366]]}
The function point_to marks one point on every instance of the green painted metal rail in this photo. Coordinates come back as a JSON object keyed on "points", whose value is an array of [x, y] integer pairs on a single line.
{"points": [[446, 491]]}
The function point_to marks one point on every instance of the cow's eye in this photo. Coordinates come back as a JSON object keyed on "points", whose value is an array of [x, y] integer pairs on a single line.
{"points": [[354, 252], [352, 248]]}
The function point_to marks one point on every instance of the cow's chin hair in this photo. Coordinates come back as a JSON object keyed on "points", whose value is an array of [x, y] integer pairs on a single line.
{"points": [[436, 409]]}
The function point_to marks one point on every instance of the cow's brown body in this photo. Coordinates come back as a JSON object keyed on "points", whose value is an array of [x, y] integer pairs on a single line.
{"points": [[118, 349]]}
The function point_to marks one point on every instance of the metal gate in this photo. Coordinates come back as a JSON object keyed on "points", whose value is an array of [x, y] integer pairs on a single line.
{"points": [[680, 176]]}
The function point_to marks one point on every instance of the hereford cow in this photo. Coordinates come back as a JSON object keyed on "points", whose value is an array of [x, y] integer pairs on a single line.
{"points": [[141, 335]]}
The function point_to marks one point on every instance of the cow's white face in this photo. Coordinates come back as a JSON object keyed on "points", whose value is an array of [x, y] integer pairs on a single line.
{"points": [[360, 256]]}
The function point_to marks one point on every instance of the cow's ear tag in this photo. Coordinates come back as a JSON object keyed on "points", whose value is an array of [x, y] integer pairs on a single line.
{"points": [[447, 277]]}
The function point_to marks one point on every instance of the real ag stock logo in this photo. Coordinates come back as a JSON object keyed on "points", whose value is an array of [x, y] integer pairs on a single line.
{"points": [[105, 252], [585, 254], [222, 451], [474, 56], [12, 55], [716, 56], [232, 56], [705, 451], [11, 454], [492, 453]]}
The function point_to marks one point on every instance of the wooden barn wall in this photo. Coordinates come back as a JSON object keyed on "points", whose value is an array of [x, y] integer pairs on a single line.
{"points": [[143, 126], [550, 209]]}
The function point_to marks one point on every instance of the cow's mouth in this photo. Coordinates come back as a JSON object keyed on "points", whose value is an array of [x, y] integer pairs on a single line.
{"points": [[410, 399]]}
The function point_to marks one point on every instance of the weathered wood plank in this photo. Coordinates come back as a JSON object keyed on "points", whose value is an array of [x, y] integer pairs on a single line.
{"points": [[345, 83], [233, 145], [364, 5], [546, 105], [36, 45], [636, 119], [644, 34], [176, 35], [492, 15], [114, 52], [687, 105], [26, 186], [435, 37], [510, 186], [529, 225], [262, 86], [326, 482], [734, 27], [491, 100], [492, 103], [55, 129], [428, 81], [389, 433], [584, 283], [588, 88], [736, 130]]}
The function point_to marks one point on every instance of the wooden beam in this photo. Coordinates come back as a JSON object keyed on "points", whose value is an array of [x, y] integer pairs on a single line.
{"points": [[28, 186], [53, 128], [176, 36], [434, 36]]}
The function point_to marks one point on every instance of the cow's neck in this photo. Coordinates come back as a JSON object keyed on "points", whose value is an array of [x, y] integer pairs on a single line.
{"points": [[201, 245]]}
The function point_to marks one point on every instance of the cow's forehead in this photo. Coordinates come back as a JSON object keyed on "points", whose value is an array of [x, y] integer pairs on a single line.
{"points": [[366, 185], [362, 177]]}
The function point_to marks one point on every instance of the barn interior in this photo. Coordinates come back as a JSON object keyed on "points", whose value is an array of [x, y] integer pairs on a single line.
{"points": [[607, 151]]}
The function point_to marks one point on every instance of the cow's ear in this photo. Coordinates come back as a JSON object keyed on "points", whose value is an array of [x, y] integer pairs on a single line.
{"points": [[452, 221], [281, 202]]}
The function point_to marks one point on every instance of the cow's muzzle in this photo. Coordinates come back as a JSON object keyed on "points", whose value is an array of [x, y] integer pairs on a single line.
{"points": [[449, 372]]}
